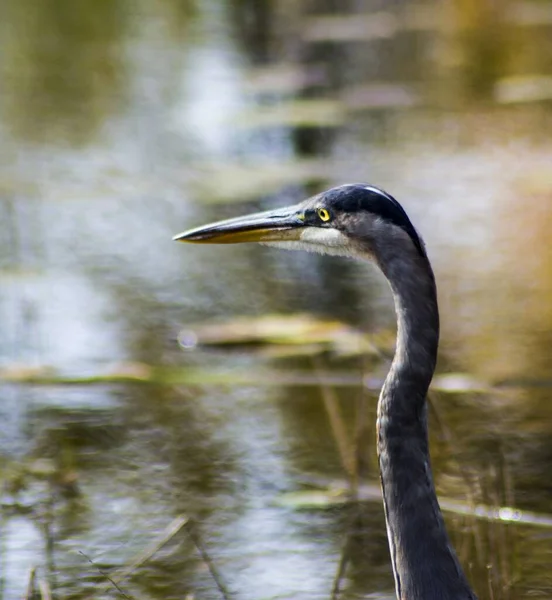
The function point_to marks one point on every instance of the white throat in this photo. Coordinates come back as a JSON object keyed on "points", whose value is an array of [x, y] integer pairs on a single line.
{"points": [[323, 240]]}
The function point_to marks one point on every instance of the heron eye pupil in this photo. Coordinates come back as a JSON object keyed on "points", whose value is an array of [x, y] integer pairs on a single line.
{"points": [[323, 214]]}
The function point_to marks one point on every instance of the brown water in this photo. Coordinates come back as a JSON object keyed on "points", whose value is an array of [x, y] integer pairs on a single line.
{"points": [[124, 123]]}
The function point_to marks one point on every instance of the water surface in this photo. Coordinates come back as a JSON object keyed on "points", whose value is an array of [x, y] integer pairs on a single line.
{"points": [[125, 123]]}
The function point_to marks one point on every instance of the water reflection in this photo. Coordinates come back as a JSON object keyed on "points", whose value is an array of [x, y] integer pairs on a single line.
{"points": [[123, 124]]}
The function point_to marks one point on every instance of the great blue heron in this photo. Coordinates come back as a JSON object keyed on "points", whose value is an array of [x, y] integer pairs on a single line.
{"points": [[362, 221]]}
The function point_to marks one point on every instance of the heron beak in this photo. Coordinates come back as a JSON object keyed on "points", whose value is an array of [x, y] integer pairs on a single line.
{"points": [[282, 224]]}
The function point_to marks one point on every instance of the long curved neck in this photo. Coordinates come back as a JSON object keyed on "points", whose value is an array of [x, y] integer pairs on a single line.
{"points": [[424, 563]]}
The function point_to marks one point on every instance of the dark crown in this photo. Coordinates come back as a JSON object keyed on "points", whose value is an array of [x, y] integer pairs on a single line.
{"points": [[363, 197]]}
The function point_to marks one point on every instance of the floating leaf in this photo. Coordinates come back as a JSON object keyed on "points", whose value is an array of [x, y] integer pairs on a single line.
{"points": [[344, 28], [313, 499], [299, 329], [133, 371], [294, 113], [41, 467], [454, 383], [339, 495], [290, 351], [19, 372], [334, 495], [373, 26], [537, 14], [282, 78], [239, 183], [524, 88], [147, 374], [263, 376], [379, 95]]}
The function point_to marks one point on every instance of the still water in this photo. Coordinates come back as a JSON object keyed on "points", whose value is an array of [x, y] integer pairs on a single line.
{"points": [[123, 123]]}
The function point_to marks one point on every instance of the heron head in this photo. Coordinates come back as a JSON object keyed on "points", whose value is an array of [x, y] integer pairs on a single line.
{"points": [[349, 220]]}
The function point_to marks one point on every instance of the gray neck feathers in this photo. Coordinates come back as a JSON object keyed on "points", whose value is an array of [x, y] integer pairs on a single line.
{"points": [[424, 563]]}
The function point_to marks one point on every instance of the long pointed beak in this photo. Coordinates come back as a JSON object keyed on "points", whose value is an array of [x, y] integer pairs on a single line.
{"points": [[282, 224]]}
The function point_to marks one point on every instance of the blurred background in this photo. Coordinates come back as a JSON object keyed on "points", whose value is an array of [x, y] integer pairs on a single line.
{"points": [[161, 402]]}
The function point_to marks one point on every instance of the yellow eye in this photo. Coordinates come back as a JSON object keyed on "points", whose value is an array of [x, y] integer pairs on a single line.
{"points": [[323, 214]]}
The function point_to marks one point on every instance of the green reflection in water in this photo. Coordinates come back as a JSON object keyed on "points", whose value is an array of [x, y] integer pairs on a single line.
{"points": [[63, 66], [66, 63]]}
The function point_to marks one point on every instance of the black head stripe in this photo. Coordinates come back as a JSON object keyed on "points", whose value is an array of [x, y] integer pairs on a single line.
{"points": [[360, 196]]}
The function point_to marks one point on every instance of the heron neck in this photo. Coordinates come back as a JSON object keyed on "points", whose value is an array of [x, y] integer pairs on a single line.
{"points": [[425, 565]]}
